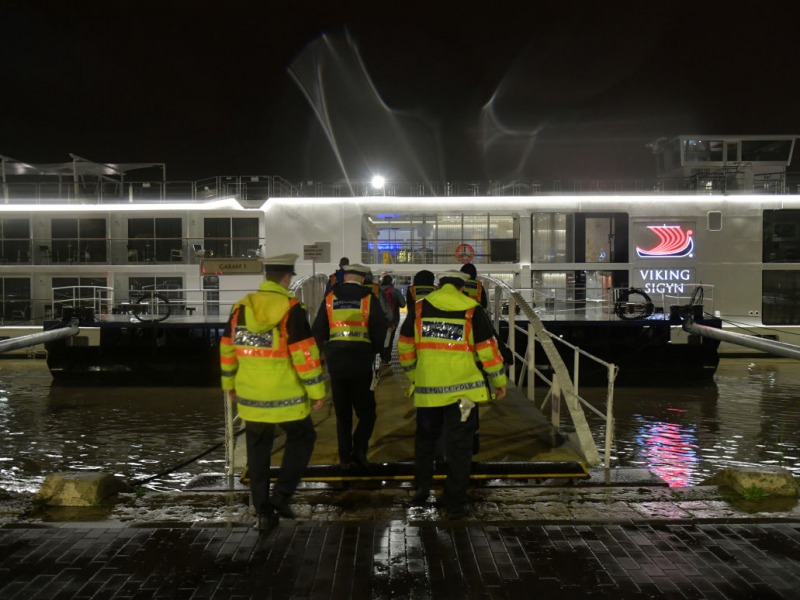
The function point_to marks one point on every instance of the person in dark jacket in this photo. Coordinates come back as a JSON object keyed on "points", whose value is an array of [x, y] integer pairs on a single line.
{"points": [[351, 328], [424, 283], [392, 300], [337, 276], [474, 288]]}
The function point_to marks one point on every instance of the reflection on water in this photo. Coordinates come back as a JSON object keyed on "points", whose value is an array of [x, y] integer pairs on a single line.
{"points": [[133, 433], [750, 417], [670, 449]]}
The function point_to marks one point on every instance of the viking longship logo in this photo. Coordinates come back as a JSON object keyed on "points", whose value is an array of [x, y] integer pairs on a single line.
{"points": [[673, 242]]}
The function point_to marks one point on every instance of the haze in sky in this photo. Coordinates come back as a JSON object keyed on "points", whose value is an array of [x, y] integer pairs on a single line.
{"points": [[439, 91]]}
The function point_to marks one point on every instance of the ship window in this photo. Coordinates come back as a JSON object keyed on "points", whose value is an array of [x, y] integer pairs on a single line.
{"points": [[780, 299], [170, 288], [702, 151], [154, 239], [551, 238], [15, 243], [732, 149], [15, 299], [714, 220], [226, 236], [434, 239], [767, 150], [601, 237], [551, 289], [781, 236], [78, 240]]}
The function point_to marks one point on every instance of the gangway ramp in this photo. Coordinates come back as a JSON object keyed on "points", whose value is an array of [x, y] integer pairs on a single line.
{"points": [[517, 442]]}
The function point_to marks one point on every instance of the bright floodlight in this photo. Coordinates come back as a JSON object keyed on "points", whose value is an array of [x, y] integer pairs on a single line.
{"points": [[378, 181]]}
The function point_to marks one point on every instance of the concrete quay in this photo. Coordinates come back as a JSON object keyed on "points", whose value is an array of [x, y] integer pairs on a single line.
{"points": [[621, 533], [626, 538]]}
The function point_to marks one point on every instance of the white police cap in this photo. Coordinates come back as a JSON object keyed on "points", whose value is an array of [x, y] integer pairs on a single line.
{"points": [[281, 264], [357, 269], [462, 277]]}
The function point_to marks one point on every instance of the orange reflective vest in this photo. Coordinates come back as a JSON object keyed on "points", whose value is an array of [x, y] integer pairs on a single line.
{"points": [[348, 319]]}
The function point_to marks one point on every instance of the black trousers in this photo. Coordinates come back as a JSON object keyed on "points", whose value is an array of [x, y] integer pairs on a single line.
{"points": [[352, 394], [458, 440], [300, 438]]}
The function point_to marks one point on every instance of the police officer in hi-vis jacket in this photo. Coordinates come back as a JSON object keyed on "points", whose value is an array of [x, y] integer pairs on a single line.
{"points": [[351, 328], [446, 345], [271, 369]]}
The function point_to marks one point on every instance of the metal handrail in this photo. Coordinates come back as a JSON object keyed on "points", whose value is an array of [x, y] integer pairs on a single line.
{"points": [[310, 290], [561, 386], [260, 188]]}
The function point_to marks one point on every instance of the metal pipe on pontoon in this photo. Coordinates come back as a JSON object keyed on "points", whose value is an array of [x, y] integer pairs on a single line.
{"points": [[40, 337], [751, 341]]}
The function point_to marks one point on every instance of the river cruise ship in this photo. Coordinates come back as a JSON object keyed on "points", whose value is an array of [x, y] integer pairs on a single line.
{"points": [[718, 230]]}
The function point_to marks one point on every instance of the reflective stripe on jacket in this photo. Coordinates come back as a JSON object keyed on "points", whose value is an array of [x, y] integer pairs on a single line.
{"points": [[272, 374]]}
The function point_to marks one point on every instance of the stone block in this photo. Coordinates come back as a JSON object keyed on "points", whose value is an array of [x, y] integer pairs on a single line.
{"points": [[79, 489], [773, 480]]}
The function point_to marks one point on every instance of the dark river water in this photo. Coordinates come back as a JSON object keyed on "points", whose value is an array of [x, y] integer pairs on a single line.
{"points": [[751, 416]]}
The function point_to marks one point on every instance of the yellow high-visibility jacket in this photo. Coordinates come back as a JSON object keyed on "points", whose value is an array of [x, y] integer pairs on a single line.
{"points": [[444, 347], [269, 357]]}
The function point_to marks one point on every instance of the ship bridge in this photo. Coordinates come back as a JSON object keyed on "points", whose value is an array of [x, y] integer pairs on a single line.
{"points": [[725, 163]]}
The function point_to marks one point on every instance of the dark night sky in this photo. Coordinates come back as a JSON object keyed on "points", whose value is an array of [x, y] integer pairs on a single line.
{"points": [[442, 90]]}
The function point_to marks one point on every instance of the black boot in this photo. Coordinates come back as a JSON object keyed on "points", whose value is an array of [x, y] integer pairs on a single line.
{"points": [[420, 497], [281, 506], [266, 522], [359, 457]]}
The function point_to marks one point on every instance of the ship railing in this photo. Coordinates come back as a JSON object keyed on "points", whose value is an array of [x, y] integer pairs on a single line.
{"points": [[42, 251], [81, 301], [561, 387], [613, 304], [310, 290], [257, 189]]}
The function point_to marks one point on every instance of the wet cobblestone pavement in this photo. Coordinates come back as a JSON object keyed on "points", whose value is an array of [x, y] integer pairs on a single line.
{"points": [[552, 542], [620, 534], [396, 559]]}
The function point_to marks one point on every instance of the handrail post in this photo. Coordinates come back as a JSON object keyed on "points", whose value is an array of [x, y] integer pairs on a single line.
{"points": [[531, 358], [512, 330], [609, 417], [576, 368], [229, 439], [555, 404], [496, 297]]}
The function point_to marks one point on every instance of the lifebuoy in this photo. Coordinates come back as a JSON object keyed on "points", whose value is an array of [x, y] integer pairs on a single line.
{"points": [[465, 253]]}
